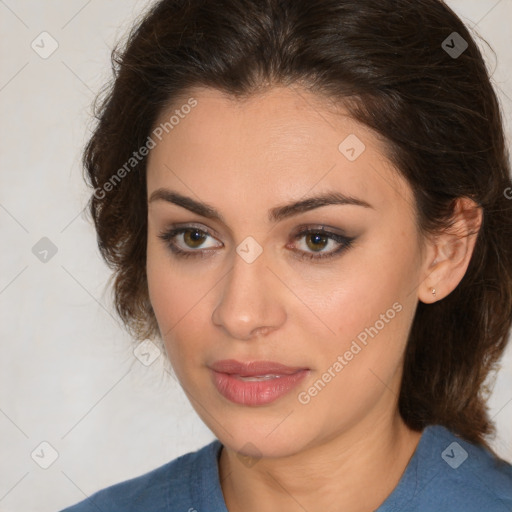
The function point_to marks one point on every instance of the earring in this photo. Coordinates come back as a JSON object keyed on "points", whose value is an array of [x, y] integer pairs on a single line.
{"points": [[434, 292]]}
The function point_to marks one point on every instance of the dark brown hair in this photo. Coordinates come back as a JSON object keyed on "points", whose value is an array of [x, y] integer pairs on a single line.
{"points": [[388, 62]]}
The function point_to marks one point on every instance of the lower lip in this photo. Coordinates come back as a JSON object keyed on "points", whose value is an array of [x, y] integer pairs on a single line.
{"points": [[255, 392]]}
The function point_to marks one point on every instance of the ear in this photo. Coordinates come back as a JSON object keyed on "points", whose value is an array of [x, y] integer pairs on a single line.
{"points": [[449, 252]]}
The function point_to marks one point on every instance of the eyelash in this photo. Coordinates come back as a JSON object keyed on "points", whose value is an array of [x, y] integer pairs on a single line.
{"points": [[344, 241]]}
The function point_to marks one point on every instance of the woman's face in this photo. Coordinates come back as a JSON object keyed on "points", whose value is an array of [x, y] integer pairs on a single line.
{"points": [[328, 290]]}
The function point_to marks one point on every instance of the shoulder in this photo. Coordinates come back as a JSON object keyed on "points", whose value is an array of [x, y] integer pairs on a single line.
{"points": [[452, 474], [166, 488]]}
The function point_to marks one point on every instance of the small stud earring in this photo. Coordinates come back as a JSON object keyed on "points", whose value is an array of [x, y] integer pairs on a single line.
{"points": [[434, 292]]}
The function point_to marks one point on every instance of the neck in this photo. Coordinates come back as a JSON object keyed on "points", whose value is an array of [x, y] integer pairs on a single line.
{"points": [[356, 469]]}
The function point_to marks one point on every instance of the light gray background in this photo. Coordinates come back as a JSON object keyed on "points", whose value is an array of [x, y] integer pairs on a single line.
{"points": [[67, 372]]}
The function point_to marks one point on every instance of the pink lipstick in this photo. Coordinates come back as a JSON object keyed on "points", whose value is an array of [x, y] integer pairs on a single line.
{"points": [[255, 383]]}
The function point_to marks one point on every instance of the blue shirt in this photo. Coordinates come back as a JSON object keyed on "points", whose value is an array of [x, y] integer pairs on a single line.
{"points": [[445, 474]]}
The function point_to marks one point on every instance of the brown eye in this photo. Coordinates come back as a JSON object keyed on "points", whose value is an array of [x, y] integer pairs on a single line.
{"points": [[194, 237], [188, 241], [316, 241]]}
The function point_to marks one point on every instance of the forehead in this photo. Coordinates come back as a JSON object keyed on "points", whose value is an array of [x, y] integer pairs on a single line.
{"points": [[282, 144]]}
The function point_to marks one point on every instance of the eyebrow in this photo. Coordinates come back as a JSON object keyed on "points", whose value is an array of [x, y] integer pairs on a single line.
{"points": [[274, 215]]}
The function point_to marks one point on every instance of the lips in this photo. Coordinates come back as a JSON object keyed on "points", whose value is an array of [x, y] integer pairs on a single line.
{"points": [[254, 368], [255, 383]]}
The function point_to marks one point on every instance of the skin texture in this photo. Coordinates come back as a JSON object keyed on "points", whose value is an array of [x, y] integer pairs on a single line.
{"points": [[244, 158]]}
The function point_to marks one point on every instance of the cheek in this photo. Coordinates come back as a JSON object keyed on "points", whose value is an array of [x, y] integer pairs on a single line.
{"points": [[180, 304], [370, 315], [164, 290], [369, 300], [170, 289]]}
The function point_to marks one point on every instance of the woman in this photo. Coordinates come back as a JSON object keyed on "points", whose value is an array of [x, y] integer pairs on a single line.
{"points": [[306, 203]]}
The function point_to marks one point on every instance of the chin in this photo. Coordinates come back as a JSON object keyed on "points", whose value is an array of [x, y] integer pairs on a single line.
{"points": [[266, 437]]}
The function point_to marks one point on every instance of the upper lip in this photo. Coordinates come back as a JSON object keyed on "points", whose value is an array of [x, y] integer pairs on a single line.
{"points": [[253, 368]]}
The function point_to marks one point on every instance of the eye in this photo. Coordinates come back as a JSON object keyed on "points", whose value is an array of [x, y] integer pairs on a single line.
{"points": [[191, 238], [317, 239]]}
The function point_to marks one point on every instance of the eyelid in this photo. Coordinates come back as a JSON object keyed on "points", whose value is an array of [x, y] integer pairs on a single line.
{"points": [[320, 227], [197, 225]]}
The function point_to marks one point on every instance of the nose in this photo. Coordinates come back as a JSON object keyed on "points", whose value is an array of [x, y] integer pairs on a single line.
{"points": [[251, 301]]}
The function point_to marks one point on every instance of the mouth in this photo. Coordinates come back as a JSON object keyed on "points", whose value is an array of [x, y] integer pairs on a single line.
{"points": [[255, 383], [254, 368], [257, 378]]}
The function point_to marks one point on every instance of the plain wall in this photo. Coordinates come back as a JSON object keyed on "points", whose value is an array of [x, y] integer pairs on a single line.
{"points": [[68, 376]]}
